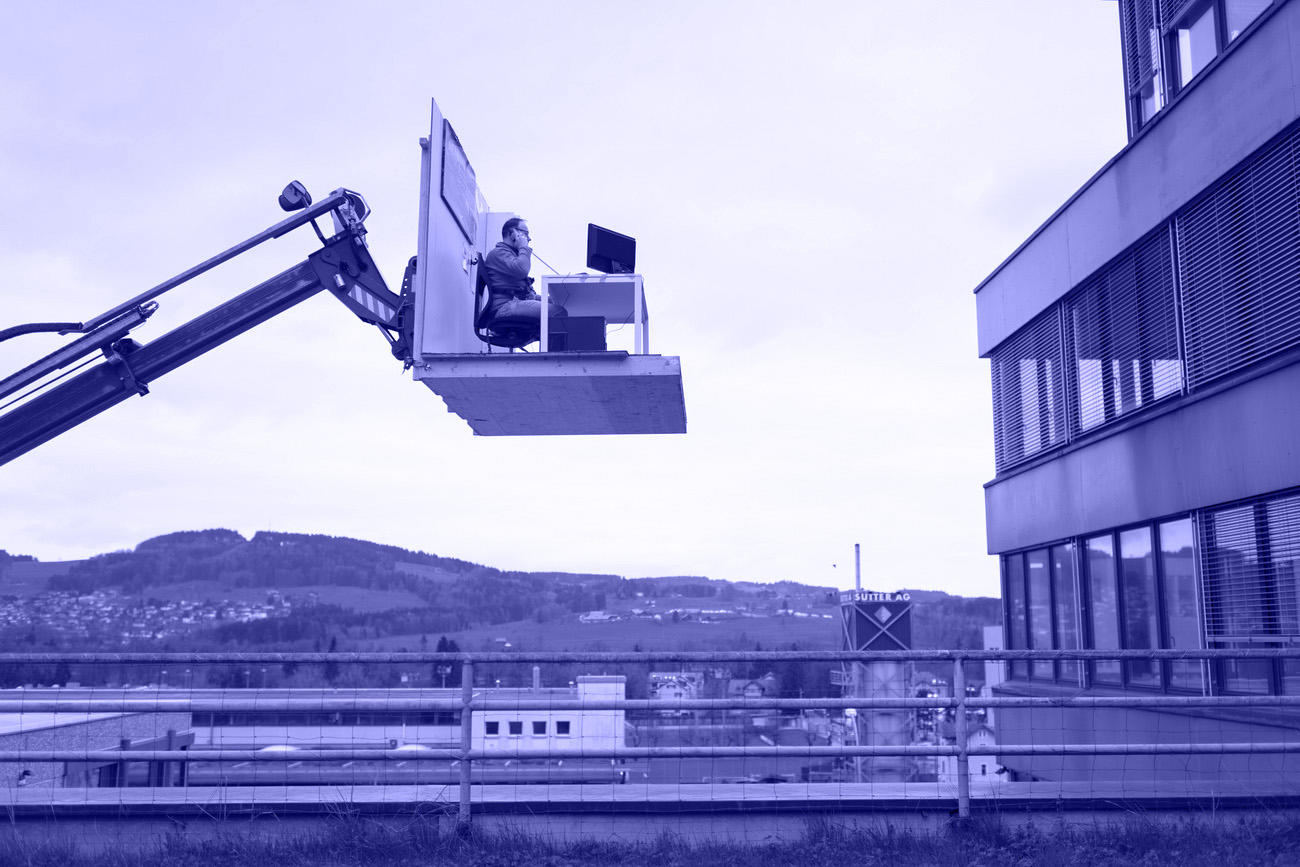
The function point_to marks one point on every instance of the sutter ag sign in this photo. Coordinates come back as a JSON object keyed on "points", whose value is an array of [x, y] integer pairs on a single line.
{"points": [[876, 621]]}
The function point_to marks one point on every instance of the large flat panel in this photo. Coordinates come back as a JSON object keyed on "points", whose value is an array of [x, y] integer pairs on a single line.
{"points": [[1238, 443], [444, 300], [1224, 116]]}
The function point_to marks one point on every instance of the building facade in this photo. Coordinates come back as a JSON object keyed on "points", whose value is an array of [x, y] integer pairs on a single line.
{"points": [[1145, 354], [494, 731]]}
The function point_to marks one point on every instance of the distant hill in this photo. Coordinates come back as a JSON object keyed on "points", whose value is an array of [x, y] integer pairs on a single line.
{"points": [[315, 590]]}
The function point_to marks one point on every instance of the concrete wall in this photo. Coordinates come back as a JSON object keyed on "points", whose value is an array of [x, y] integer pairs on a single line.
{"points": [[1043, 725], [103, 733], [1250, 96]]}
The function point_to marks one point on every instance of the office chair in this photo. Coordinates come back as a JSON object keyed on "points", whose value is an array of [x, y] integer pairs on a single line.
{"points": [[509, 333]]}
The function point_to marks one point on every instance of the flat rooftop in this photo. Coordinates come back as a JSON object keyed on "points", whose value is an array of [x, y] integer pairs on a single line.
{"points": [[19, 723]]}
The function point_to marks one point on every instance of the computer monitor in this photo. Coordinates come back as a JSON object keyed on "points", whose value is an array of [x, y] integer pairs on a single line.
{"points": [[609, 251]]}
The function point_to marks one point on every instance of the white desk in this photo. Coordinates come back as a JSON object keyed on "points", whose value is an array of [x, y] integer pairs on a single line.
{"points": [[618, 297]]}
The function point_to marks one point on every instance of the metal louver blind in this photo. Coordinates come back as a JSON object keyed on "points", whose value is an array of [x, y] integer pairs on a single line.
{"points": [[1171, 9], [1124, 335], [1251, 565], [1028, 391], [1238, 588], [1283, 517], [1141, 41], [1239, 262]]}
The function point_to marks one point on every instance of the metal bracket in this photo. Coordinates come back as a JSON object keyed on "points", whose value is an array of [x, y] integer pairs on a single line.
{"points": [[116, 355]]}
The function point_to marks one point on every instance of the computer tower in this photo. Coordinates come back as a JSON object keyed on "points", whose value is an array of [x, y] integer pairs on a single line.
{"points": [[577, 334]]}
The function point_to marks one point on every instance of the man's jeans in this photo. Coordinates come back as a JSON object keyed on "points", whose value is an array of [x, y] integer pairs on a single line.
{"points": [[525, 308]]}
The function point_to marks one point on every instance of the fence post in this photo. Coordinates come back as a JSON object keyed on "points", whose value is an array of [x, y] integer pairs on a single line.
{"points": [[963, 735], [466, 741]]}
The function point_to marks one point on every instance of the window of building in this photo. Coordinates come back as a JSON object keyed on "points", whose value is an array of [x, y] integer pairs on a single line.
{"points": [[562, 727], [1240, 13], [1142, 594], [1142, 55], [539, 727], [1103, 608], [491, 728], [1017, 618], [1252, 600], [1196, 37], [1239, 265], [1065, 610], [1240, 605], [1028, 391], [1123, 335], [1283, 516], [1166, 43], [1181, 607], [1140, 604], [1040, 609], [516, 728]]}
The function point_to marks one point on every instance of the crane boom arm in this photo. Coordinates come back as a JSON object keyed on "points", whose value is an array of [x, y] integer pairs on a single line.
{"points": [[343, 266]]}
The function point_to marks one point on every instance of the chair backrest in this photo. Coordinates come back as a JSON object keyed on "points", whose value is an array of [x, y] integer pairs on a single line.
{"points": [[504, 333]]}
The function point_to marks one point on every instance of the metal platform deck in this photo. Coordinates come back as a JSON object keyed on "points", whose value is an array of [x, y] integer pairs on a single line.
{"points": [[541, 394]]}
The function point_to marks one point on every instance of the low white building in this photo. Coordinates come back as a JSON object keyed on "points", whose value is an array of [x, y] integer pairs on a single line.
{"points": [[981, 759], [557, 731]]}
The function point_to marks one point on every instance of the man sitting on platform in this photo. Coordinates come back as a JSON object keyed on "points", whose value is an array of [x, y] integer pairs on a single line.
{"points": [[505, 270]]}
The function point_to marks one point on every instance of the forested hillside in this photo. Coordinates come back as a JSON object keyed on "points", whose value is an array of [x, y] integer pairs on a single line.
{"points": [[212, 589]]}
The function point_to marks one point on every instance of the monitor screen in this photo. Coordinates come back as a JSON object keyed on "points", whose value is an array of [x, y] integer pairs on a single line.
{"points": [[609, 251]]}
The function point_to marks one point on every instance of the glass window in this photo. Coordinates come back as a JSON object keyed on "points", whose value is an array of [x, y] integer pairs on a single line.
{"points": [[1197, 43], [1141, 610], [1151, 96], [491, 728], [1236, 585], [1182, 614], [1102, 609], [539, 727], [1066, 610], [1284, 553], [1124, 335], [1239, 14], [1017, 619], [562, 727], [1040, 610], [1239, 595], [516, 727], [1251, 676]]}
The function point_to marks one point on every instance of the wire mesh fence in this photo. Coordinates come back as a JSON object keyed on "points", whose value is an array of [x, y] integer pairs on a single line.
{"points": [[705, 730]]}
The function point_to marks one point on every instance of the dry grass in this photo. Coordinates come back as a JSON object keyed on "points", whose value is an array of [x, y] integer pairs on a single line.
{"points": [[352, 841]]}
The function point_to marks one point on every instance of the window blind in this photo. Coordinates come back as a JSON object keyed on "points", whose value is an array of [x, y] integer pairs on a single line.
{"points": [[1239, 264], [1123, 334], [1171, 10], [1141, 42], [1240, 597], [1028, 391]]}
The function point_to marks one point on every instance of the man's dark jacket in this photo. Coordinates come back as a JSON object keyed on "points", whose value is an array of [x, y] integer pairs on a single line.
{"points": [[506, 274]]}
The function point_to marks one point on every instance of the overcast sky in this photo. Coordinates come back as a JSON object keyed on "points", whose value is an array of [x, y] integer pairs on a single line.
{"points": [[816, 188]]}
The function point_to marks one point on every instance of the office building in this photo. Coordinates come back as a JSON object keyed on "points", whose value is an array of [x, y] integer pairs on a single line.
{"points": [[1145, 354]]}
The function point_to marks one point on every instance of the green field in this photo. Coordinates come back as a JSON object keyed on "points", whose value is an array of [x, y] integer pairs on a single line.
{"points": [[569, 634], [352, 598]]}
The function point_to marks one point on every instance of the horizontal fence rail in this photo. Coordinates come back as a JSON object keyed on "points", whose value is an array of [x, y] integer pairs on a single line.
{"points": [[462, 702]]}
